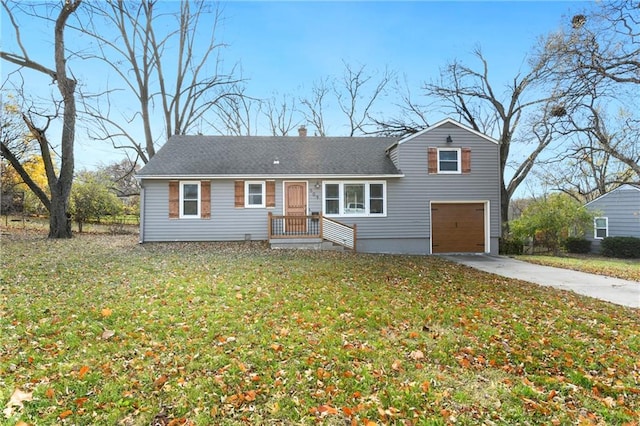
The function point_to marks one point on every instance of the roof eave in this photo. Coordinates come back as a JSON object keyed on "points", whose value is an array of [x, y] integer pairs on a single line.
{"points": [[633, 186], [263, 176], [450, 121]]}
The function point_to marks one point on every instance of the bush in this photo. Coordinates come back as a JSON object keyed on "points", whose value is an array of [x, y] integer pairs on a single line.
{"points": [[621, 247], [577, 245], [510, 246], [550, 219]]}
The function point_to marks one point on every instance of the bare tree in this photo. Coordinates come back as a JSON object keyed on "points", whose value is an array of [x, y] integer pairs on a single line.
{"points": [[176, 78], [59, 181], [355, 92], [471, 96], [355, 100], [235, 115], [313, 106], [281, 115], [412, 116], [598, 55], [604, 44], [616, 136], [121, 177], [584, 172]]}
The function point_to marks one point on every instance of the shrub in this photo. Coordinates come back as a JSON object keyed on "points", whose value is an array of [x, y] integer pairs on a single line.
{"points": [[550, 219], [511, 246], [577, 245], [621, 247]]}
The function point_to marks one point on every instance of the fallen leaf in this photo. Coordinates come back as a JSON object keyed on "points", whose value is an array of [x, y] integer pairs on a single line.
{"points": [[49, 393], [347, 411], [83, 371], [106, 312], [108, 334], [65, 414], [326, 410], [609, 402], [160, 381], [16, 400], [416, 355]]}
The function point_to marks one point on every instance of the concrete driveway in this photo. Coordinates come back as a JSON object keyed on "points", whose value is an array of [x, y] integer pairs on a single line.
{"points": [[614, 290]]}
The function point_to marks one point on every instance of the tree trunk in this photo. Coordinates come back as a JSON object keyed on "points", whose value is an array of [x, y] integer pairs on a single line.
{"points": [[504, 208], [59, 219]]}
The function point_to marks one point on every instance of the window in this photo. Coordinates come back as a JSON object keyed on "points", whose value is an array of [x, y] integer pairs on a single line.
{"points": [[601, 225], [190, 199], [254, 194], [332, 198], [376, 198], [448, 160], [354, 199]]}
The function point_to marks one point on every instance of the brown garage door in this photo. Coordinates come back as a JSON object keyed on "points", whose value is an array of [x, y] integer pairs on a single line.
{"points": [[457, 228]]}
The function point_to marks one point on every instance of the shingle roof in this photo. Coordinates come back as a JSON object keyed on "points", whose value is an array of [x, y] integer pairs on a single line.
{"points": [[271, 156]]}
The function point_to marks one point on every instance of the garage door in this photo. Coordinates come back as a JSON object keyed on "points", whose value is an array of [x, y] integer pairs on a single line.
{"points": [[457, 228]]}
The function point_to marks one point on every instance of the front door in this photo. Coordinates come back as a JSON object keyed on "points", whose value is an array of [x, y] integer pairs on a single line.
{"points": [[295, 205]]}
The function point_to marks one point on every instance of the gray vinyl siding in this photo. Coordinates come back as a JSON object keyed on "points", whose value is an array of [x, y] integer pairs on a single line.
{"points": [[404, 229], [409, 197], [393, 155], [622, 208], [227, 223]]}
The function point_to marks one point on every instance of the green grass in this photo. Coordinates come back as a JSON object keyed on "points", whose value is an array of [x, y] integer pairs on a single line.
{"points": [[628, 269], [102, 330], [122, 224]]}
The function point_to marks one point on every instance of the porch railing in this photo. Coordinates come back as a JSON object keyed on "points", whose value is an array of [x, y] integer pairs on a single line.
{"points": [[339, 233], [312, 226]]}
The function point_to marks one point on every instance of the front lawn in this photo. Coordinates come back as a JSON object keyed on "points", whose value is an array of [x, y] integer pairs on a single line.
{"points": [[101, 330], [627, 269]]}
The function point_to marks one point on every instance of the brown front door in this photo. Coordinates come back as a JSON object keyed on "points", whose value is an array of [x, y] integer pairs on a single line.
{"points": [[457, 228], [295, 194]]}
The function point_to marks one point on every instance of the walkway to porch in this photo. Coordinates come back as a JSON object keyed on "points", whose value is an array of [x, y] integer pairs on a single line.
{"points": [[312, 230]]}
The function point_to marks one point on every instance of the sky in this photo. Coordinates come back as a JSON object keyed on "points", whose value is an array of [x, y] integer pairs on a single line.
{"points": [[284, 47]]}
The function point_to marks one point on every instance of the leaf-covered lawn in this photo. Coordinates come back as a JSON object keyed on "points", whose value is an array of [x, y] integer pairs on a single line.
{"points": [[627, 269], [101, 330]]}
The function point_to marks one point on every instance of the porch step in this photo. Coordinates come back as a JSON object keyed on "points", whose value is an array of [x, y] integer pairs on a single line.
{"points": [[304, 244]]}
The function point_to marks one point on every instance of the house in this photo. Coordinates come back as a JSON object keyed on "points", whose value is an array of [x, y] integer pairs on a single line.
{"points": [[617, 215], [436, 191]]}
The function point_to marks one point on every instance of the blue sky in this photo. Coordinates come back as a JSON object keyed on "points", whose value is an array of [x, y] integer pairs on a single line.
{"points": [[283, 47], [285, 44]]}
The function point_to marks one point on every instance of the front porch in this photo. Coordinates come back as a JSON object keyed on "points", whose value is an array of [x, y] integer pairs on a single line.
{"points": [[311, 231]]}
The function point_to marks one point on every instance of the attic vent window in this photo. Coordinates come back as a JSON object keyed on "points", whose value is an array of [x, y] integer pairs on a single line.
{"points": [[276, 161]]}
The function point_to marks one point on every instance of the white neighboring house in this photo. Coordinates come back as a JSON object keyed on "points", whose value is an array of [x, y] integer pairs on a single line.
{"points": [[618, 215]]}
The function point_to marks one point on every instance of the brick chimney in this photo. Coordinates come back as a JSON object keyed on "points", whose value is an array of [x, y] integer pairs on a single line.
{"points": [[302, 131]]}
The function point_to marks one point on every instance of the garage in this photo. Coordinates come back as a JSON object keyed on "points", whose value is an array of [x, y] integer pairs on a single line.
{"points": [[458, 228]]}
